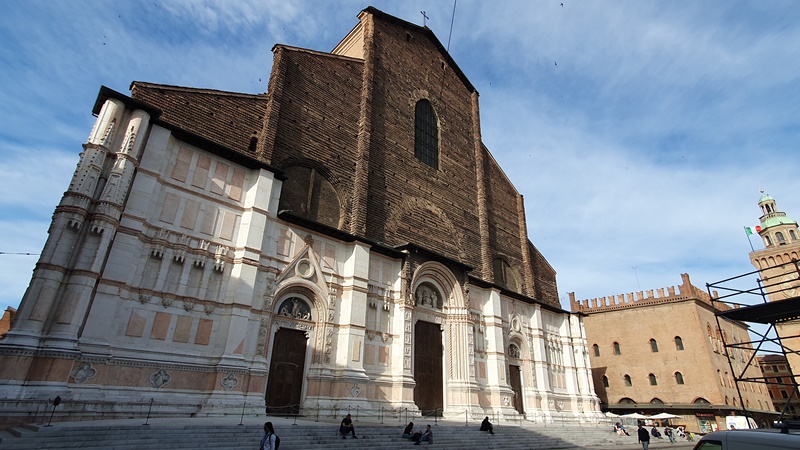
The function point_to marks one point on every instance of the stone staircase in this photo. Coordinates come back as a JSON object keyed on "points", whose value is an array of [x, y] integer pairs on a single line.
{"points": [[208, 433]]}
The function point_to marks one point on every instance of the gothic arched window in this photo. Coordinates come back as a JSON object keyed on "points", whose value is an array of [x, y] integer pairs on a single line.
{"points": [[628, 380], [678, 343], [616, 349], [678, 377], [653, 381], [596, 349], [653, 346], [505, 275], [605, 381], [426, 134]]}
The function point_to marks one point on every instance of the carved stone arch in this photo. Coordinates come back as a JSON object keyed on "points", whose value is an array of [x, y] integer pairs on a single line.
{"points": [[443, 279], [339, 187], [517, 340], [304, 289], [307, 290], [410, 204]]}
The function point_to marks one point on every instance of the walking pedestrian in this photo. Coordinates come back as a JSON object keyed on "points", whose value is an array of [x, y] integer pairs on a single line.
{"points": [[644, 436]]}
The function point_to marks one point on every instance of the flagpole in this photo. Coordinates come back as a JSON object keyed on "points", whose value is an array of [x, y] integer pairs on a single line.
{"points": [[748, 239]]}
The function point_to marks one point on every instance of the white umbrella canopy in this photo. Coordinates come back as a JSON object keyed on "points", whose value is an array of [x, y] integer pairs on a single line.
{"points": [[664, 415], [634, 416], [610, 414]]}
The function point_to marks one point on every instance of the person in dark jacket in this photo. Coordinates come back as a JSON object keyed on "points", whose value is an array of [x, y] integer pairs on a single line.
{"points": [[347, 427], [487, 426], [644, 436], [408, 432]]}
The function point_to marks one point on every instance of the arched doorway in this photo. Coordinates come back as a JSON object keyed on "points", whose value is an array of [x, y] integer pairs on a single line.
{"points": [[515, 376], [428, 351], [287, 361]]}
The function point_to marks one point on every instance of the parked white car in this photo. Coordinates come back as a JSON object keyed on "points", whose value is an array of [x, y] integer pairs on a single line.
{"points": [[764, 439]]}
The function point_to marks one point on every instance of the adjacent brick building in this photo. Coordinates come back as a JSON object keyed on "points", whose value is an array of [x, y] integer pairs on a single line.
{"points": [[343, 241], [779, 378], [662, 351]]}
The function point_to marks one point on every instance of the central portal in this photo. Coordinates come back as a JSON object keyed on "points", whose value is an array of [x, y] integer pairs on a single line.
{"points": [[428, 368], [285, 384]]}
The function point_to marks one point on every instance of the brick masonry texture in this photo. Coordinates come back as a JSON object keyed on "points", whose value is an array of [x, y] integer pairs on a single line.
{"points": [[313, 120]]}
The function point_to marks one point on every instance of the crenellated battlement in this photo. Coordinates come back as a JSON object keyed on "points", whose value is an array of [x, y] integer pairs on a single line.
{"points": [[685, 291]]}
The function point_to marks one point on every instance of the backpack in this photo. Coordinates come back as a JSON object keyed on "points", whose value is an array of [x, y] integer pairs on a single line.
{"points": [[277, 441]]}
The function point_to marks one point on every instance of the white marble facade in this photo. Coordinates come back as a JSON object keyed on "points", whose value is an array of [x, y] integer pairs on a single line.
{"points": [[195, 274]]}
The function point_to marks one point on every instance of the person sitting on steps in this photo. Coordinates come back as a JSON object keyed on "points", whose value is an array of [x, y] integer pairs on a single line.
{"points": [[427, 436], [408, 432], [487, 426], [347, 427]]}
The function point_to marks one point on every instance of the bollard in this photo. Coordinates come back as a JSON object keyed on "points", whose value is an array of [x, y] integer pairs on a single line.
{"points": [[241, 419], [147, 422], [357, 408], [56, 402], [317, 413], [381, 414]]}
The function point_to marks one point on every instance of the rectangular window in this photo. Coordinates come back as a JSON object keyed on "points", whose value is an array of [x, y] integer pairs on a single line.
{"points": [[784, 394]]}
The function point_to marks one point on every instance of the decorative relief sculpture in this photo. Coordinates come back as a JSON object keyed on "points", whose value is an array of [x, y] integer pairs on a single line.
{"points": [[355, 390], [328, 345], [229, 382], [426, 295], [160, 378], [515, 325], [506, 400], [83, 373], [262, 336], [513, 351], [296, 308]]}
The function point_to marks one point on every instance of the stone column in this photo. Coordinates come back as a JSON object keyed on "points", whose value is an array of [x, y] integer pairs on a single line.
{"points": [[352, 313], [243, 277], [65, 234], [91, 254]]}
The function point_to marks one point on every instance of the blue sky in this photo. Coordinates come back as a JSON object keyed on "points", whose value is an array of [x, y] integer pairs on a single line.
{"points": [[639, 132]]}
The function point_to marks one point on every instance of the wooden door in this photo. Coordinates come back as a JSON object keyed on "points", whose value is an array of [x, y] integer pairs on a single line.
{"points": [[515, 377], [285, 383], [428, 350]]}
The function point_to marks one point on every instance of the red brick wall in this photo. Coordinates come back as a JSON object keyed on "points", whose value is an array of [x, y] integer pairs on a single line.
{"points": [[407, 200], [318, 122]]}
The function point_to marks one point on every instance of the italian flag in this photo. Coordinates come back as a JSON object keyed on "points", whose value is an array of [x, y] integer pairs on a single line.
{"points": [[752, 230]]}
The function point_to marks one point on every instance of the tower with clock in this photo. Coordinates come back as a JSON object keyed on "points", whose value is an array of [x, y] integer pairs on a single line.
{"points": [[779, 266], [779, 261]]}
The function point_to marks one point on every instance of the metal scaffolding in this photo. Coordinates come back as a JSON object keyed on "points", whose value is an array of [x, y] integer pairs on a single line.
{"points": [[751, 304]]}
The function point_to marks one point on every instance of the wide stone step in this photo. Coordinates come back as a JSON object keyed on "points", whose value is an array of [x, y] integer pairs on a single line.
{"points": [[207, 435]]}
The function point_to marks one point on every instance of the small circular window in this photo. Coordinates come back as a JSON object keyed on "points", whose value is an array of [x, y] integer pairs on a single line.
{"points": [[304, 268]]}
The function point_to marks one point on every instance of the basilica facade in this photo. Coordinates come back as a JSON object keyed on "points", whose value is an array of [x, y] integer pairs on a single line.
{"points": [[343, 241]]}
